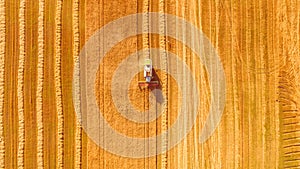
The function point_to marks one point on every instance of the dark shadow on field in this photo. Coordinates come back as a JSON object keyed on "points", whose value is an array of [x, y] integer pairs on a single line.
{"points": [[158, 95]]}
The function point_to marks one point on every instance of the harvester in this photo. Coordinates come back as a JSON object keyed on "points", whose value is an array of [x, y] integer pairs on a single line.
{"points": [[148, 69]]}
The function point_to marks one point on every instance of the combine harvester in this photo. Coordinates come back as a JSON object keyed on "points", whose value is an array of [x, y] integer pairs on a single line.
{"points": [[148, 75]]}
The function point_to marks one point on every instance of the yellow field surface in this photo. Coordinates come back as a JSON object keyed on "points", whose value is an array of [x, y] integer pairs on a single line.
{"points": [[258, 43]]}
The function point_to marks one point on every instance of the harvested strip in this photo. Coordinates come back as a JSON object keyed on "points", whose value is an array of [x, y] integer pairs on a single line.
{"points": [[30, 83], [40, 80], [49, 103], [58, 93], [21, 131], [2, 61], [66, 81], [92, 22], [10, 94]]}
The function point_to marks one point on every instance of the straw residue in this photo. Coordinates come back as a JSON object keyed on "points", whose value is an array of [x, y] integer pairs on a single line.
{"points": [[58, 93], [76, 39], [20, 88], [40, 78]]}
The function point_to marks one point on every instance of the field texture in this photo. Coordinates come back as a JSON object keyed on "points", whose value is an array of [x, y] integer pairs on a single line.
{"points": [[258, 43]]}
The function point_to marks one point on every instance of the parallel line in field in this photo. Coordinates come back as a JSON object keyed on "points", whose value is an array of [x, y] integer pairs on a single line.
{"points": [[202, 24], [280, 88], [264, 62], [287, 118], [234, 72], [290, 123], [145, 45], [67, 65], [40, 80], [256, 118], [294, 119], [246, 122], [146, 38], [292, 153], [291, 145], [76, 47], [218, 36], [196, 160], [289, 134], [164, 62], [290, 161], [58, 89], [20, 88], [239, 73], [2, 71], [270, 94], [82, 22], [240, 47], [290, 129]]}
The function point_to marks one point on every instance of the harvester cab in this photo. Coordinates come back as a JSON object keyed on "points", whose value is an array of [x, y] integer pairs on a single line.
{"points": [[148, 82]]}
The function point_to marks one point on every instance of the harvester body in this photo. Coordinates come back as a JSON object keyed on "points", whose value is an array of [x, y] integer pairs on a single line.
{"points": [[148, 75]]}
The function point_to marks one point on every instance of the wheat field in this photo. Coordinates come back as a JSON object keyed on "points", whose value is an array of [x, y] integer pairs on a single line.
{"points": [[258, 44]]}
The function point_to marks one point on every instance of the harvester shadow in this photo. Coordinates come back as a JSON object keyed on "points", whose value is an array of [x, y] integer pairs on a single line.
{"points": [[153, 89]]}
